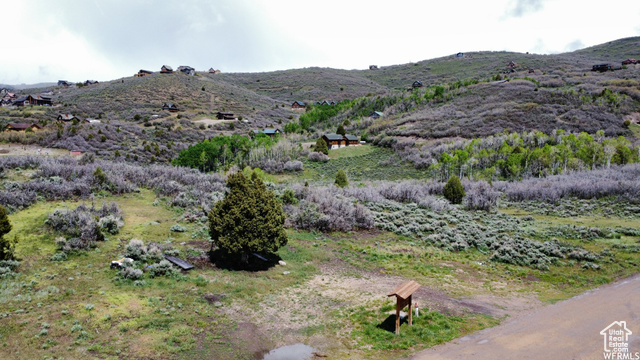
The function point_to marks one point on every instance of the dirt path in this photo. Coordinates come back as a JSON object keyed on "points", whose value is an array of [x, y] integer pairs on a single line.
{"points": [[566, 330]]}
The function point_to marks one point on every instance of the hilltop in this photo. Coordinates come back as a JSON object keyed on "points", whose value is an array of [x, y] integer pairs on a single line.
{"points": [[481, 94]]}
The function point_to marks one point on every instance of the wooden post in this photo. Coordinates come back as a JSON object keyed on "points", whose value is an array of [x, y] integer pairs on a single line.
{"points": [[398, 307], [410, 317]]}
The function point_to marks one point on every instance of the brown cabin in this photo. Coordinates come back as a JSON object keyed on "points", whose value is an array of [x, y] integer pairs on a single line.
{"points": [[213, 71], [298, 105], [143, 72], [221, 115], [166, 69], [38, 100], [334, 141], [169, 107], [22, 127], [351, 140]]}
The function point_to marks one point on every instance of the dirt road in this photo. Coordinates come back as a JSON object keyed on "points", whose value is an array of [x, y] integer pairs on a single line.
{"points": [[566, 330]]}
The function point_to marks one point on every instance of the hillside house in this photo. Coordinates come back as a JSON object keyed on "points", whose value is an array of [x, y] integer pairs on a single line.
{"points": [[460, 55], [351, 140], [188, 70], [213, 71], [601, 67], [170, 107], [22, 127], [143, 72], [334, 141], [221, 115], [166, 69], [66, 117], [376, 115], [64, 83], [34, 100], [373, 67], [297, 105], [90, 82], [268, 131], [416, 84]]}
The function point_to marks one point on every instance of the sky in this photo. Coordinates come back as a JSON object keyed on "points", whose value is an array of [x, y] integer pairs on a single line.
{"points": [[77, 40]]}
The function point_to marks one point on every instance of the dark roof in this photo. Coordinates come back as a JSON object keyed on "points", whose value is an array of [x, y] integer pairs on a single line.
{"points": [[21, 99], [171, 105], [351, 137], [167, 67], [22, 126], [145, 71], [301, 103], [333, 136], [271, 131]]}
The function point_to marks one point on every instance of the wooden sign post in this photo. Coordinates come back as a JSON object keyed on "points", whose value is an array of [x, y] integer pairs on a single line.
{"points": [[403, 294]]}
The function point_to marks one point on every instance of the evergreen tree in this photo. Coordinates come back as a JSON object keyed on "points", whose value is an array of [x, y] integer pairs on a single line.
{"points": [[341, 130], [6, 246], [341, 179], [321, 146], [248, 219], [453, 190]]}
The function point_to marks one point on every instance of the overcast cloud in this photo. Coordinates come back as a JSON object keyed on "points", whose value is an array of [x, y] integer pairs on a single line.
{"points": [[78, 40]]}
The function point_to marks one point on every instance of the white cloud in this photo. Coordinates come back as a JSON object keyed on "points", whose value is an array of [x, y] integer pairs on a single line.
{"points": [[79, 39]]}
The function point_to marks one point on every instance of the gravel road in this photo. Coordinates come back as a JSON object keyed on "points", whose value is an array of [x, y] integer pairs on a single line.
{"points": [[566, 330]]}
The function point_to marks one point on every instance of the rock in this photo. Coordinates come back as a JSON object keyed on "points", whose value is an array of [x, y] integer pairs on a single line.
{"points": [[282, 263]]}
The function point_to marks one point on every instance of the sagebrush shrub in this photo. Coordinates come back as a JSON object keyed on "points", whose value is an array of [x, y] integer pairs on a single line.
{"points": [[132, 273], [163, 268]]}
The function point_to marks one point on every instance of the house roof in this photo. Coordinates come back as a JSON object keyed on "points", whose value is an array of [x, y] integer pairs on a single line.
{"points": [[405, 290], [23, 126], [271, 131], [66, 116], [167, 67], [351, 137], [146, 71], [377, 113], [333, 136], [21, 99], [301, 103], [168, 105]]}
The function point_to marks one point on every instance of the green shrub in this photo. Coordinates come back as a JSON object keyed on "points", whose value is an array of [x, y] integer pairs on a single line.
{"points": [[453, 190], [7, 246], [341, 179], [321, 146]]}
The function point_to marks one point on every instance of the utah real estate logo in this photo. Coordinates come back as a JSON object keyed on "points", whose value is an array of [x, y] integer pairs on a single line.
{"points": [[616, 341]]}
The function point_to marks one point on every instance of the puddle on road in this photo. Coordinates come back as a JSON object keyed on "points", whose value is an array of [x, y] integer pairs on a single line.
{"points": [[291, 352]]}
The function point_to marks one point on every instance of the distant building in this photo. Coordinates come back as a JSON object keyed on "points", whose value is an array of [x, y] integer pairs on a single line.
{"points": [[334, 141], [36, 100], [169, 107], [298, 105], [22, 127], [143, 72], [166, 69], [213, 71], [459, 55], [351, 140], [416, 84], [268, 131], [64, 83], [187, 70], [376, 115], [90, 82], [221, 115], [373, 67]]}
